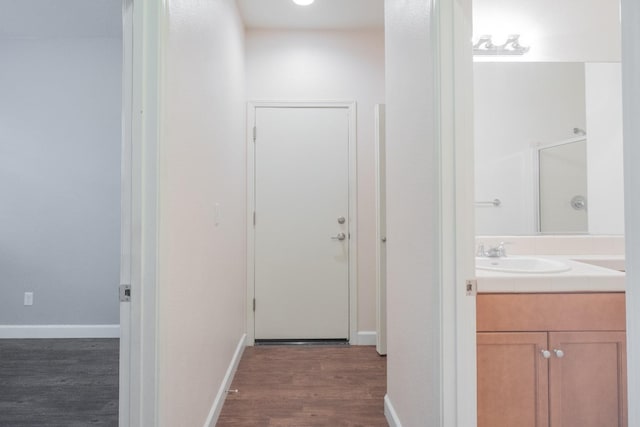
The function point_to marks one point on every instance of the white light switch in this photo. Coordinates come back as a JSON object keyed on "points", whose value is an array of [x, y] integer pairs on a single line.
{"points": [[28, 298]]}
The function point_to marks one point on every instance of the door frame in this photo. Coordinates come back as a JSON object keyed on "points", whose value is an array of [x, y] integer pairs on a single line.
{"points": [[350, 106], [630, 11], [143, 29], [126, 172], [381, 228], [455, 244]]}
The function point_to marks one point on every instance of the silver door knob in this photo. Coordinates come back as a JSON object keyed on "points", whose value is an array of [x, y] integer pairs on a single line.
{"points": [[383, 239], [559, 353], [339, 236], [341, 220], [545, 353]]}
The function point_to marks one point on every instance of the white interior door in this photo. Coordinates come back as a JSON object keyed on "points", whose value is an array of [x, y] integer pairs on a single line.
{"points": [[301, 223]]}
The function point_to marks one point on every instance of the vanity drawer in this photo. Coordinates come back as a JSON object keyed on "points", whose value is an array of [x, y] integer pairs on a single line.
{"points": [[551, 312]]}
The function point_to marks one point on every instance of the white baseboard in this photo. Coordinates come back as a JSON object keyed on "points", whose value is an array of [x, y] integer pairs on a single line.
{"points": [[214, 413], [390, 413], [59, 331], [366, 338]]}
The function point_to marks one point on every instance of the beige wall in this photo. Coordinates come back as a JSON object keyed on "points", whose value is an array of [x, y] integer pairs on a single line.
{"points": [[202, 163], [413, 289], [330, 65]]}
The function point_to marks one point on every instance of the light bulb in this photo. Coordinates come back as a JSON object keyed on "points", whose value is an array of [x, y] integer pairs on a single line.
{"points": [[303, 2]]}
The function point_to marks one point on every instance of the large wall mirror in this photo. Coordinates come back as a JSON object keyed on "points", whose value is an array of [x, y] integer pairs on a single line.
{"points": [[562, 187], [548, 122]]}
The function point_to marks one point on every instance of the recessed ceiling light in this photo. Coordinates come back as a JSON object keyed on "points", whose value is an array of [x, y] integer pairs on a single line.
{"points": [[303, 2]]}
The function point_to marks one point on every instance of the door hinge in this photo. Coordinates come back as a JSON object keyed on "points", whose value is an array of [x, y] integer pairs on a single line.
{"points": [[254, 218], [471, 287], [254, 304], [254, 134], [125, 293]]}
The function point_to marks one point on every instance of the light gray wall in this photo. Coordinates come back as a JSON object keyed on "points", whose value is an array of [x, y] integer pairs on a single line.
{"points": [[60, 179]]}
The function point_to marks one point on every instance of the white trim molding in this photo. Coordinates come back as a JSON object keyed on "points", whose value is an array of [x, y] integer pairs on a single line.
{"points": [[454, 72], [390, 413], [216, 408], [149, 29], [381, 228], [59, 331], [366, 338], [353, 214], [631, 109], [126, 217]]}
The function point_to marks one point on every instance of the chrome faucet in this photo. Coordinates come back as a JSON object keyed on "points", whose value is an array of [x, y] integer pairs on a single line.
{"points": [[492, 251]]}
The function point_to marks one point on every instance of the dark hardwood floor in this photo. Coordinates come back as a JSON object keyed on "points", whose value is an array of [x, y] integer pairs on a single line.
{"points": [[74, 383], [58, 382], [307, 386]]}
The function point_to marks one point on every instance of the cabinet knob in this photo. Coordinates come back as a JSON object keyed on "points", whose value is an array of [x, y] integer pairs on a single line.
{"points": [[559, 353], [545, 353]]}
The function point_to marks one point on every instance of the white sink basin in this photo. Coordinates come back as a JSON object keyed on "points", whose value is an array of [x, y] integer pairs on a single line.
{"points": [[522, 264]]}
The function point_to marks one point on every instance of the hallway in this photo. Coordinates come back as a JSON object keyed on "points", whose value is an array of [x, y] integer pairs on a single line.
{"points": [[307, 386]]}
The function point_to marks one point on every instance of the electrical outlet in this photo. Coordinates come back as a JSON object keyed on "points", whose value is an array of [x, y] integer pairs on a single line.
{"points": [[28, 298]]}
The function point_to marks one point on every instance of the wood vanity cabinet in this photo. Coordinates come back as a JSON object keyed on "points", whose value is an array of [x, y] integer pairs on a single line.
{"points": [[551, 360]]}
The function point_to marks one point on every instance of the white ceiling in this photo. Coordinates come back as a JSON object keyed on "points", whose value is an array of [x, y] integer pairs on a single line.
{"points": [[102, 18], [60, 18], [321, 15]]}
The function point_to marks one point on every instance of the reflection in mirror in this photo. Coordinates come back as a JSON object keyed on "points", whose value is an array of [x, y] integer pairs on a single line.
{"points": [[562, 177], [522, 106]]}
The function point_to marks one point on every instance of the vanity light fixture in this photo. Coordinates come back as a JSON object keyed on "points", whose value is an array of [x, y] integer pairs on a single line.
{"points": [[303, 2], [485, 46]]}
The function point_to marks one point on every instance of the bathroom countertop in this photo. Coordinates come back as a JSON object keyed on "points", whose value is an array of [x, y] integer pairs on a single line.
{"points": [[582, 277]]}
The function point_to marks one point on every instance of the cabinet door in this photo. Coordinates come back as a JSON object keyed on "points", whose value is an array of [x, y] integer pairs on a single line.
{"points": [[588, 383], [513, 388]]}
